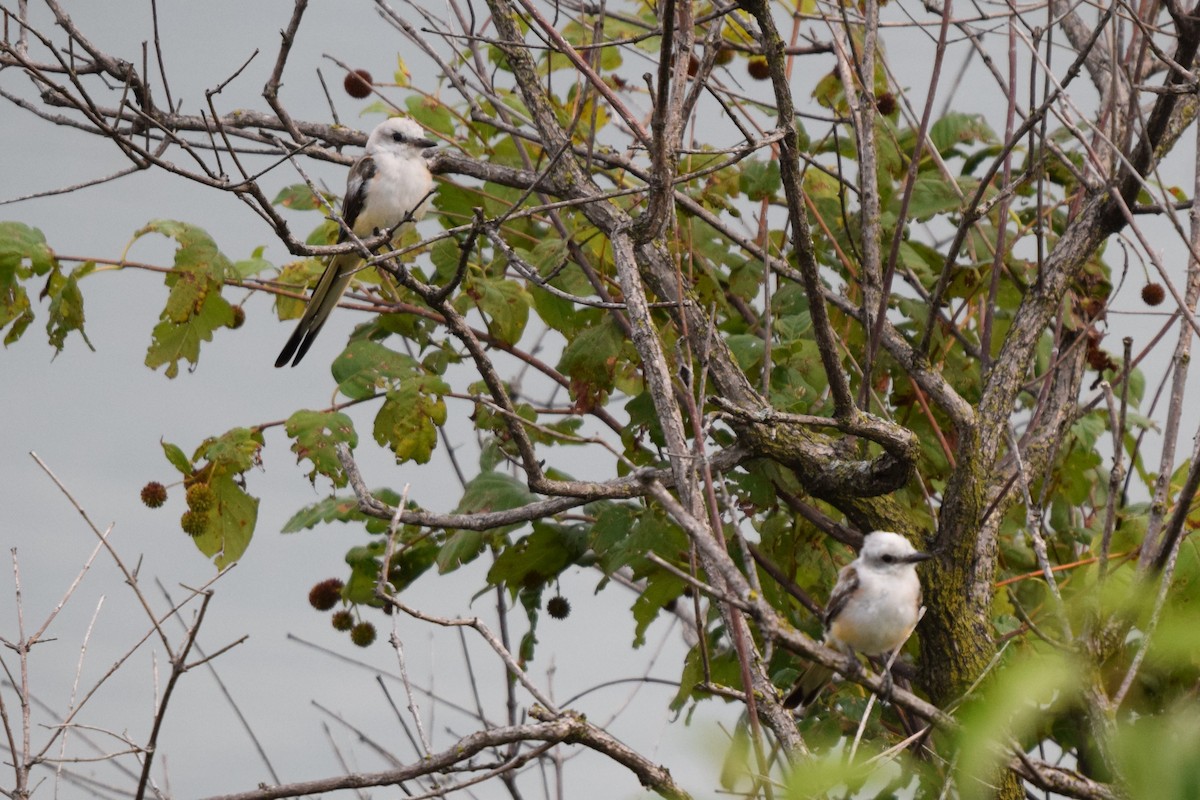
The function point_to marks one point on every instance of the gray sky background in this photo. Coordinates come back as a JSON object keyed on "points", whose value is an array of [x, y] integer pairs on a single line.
{"points": [[96, 419]]}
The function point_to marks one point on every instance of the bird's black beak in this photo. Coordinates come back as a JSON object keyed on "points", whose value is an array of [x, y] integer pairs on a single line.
{"points": [[425, 143], [918, 557]]}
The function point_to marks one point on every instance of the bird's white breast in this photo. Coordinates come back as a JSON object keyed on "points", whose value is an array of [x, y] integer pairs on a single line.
{"points": [[880, 617], [399, 184]]}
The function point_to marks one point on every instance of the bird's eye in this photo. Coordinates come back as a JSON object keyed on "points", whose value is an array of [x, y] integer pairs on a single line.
{"points": [[397, 137], [887, 559]]}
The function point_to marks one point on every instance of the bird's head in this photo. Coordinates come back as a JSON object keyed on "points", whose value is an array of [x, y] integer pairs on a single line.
{"points": [[399, 135], [884, 550]]}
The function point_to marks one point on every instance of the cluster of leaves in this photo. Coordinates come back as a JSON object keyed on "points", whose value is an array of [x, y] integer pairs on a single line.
{"points": [[548, 289]]}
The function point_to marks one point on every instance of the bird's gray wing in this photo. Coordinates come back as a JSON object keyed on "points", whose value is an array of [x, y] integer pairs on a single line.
{"points": [[814, 676], [843, 590], [356, 192]]}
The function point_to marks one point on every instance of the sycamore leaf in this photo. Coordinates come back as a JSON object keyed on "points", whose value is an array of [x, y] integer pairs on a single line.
{"points": [[331, 509], [23, 254], [194, 306], [178, 460], [234, 451], [297, 197], [21, 245], [461, 548], [172, 342], [538, 557], [408, 420], [315, 434], [66, 306], [760, 180], [365, 367], [661, 589], [230, 524], [506, 305]]}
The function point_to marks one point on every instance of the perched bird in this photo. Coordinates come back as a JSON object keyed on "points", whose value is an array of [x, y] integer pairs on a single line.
{"points": [[872, 610], [387, 185]]}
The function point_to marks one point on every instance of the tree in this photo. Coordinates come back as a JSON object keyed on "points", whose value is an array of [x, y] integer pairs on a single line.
{"points": [[813, 318]]}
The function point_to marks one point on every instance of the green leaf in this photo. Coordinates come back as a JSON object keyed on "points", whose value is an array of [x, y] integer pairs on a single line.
{"points": [[234, 451], [408, 420], [230, 523], [194, 306], [66, 307], [298, 197], [431, 114], [661, 589], [493, 491], [365, 367], [21, 245], [590, 361], [412, 563], [178, 460], [505, 303], [254, 265], [172, 342], [1024, 692], [23, 254], [760, 180], [331, 509], [958, 128], [931, 195], [1157, 755], [315, 434], [461, 548], [538, 557]]}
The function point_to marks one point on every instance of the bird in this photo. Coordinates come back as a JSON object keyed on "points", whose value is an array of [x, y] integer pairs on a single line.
{"points": [[872, 609], [389, 184]]}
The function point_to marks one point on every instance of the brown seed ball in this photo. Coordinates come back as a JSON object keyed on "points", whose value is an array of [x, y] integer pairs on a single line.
{"points": [[326, 594], [1153, 294], [724, 55], [558, 607], [886, 103], [358, 83], [758, 68], [193, 523], [154, 494], [342, 620], [363, 634], [693, 65], [239, 317]]}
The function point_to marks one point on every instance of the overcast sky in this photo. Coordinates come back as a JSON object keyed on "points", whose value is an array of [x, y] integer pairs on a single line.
{"points": [[96, 418]]}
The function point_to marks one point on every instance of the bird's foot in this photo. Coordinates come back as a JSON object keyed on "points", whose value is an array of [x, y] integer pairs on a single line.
{"points": [[885, 690]]}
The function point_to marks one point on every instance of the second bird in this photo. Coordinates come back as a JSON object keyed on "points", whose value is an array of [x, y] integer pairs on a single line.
{"points": [[388, 184], [872, 609]]}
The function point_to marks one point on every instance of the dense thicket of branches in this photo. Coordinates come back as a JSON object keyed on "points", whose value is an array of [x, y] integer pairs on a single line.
{"points": [[782, 312]]}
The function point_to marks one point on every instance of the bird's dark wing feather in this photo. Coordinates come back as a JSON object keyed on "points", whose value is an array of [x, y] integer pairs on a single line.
{"points": [[847, 585], [356, 192]]}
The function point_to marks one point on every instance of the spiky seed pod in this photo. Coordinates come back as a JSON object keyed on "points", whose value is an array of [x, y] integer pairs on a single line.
{"points": [[326, 594], [363, 634], [201, 498], [558, 607], [342, 620], [154, 494], [193, 523]]}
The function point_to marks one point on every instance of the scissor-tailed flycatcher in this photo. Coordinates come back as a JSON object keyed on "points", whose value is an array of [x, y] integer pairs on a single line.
{"points": [[873, 608], [388, 185]]}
